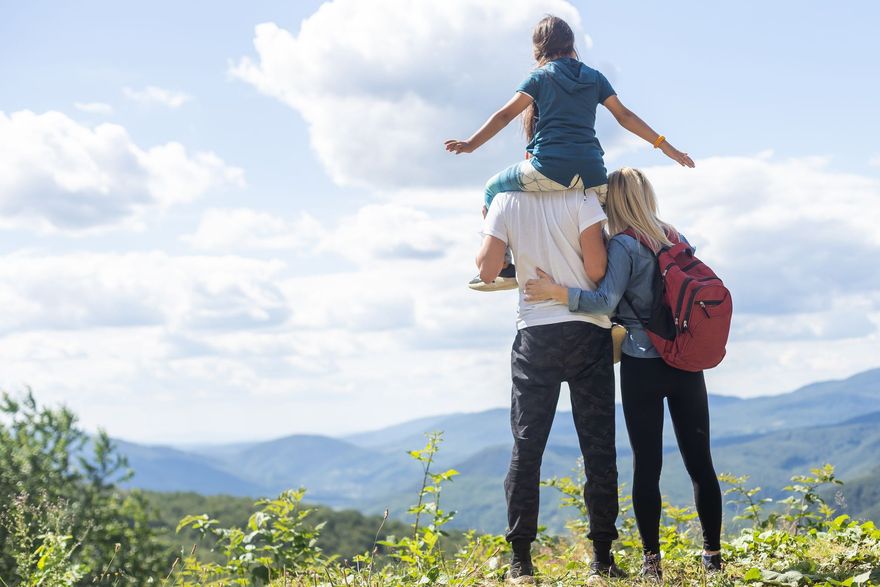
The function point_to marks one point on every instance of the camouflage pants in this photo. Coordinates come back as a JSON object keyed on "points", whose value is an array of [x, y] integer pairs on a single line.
{"points": [[542, 358]]}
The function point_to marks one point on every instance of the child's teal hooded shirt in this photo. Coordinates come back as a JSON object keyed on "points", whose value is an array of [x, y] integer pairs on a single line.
{"points": [[566, 93]]}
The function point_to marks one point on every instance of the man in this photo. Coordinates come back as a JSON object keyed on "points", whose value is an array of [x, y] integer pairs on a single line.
{"points": [[561, 233]]}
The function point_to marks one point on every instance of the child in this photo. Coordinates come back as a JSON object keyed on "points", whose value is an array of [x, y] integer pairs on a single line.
{"points": [[559, 99]]}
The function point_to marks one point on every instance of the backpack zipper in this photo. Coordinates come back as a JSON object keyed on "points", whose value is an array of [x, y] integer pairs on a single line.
{"points": [[704, 303], [681, 298], [690, 306]]}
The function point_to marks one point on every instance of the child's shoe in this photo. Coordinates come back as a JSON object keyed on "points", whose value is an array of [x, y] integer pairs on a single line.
{"points": [[505, 280]]}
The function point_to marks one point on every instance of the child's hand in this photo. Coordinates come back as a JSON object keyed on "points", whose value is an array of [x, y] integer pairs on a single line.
{"points": [[454, 146], [676, 155]]}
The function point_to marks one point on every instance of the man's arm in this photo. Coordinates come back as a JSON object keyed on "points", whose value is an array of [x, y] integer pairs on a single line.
{"points": [[490, 259], [593, 250]]}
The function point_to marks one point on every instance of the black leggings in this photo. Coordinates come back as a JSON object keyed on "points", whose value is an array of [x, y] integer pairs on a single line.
{"points": [[644, 383]]}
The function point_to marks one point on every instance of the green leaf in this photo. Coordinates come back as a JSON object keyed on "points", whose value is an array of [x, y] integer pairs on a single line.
{"points": [[197, 521], [753, 574]]}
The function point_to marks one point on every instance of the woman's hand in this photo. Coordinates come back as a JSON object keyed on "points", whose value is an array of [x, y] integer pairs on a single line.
{"points": [[676, 155], [455, 146], [544, 288]]}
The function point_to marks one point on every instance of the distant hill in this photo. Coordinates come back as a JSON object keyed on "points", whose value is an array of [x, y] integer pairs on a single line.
{"points": [[770, 459], [335, 472], [816, 404], [770, 438], [860, 497], [160, 468]]}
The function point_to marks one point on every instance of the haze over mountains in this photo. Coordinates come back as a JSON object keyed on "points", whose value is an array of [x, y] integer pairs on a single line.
{"points": [[769, 438]]}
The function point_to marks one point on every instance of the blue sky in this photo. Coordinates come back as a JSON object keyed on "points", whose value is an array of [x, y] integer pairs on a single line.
{"points": [[214, 230]]}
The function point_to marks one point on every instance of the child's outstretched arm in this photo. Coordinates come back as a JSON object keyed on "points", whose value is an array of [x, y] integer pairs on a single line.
{"points": [[490, 128], [640, 128]]}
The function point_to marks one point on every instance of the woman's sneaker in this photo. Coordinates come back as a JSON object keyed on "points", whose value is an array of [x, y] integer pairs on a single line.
{"points": [[651, 567], [600, 571], [712, 563], [505, 280]]}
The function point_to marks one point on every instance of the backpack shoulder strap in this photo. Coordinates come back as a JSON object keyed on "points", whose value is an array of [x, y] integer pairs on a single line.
{"points": [[673, 237]]}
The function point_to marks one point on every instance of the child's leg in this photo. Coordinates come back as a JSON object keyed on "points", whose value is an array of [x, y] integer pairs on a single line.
{"points": [[532, 180], [523, 177], [507, 180]]}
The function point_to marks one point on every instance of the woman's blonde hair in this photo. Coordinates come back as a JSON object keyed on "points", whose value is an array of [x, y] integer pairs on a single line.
{"points": [[631, 203]]}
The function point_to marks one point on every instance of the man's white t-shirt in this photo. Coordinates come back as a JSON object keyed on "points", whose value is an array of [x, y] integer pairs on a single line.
{"points": [[543, 231]]}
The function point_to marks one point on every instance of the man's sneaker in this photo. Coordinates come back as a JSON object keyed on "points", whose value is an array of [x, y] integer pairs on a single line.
{"points": [[521, 571], [505, 280], [651, 567], [601, 571], [712, 563]]}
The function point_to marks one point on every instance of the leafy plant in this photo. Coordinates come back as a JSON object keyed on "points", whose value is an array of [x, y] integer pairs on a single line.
{"points": [[420, 550], [58, 482], [806, 507], [746, 498], [572, 490], [275, 542]]}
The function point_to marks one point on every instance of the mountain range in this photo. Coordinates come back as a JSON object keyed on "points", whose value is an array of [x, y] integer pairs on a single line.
{"points": [[769, 438]]}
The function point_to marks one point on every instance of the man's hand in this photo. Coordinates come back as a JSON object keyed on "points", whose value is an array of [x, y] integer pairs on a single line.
{"points": [[544, 288], [458, 147]]}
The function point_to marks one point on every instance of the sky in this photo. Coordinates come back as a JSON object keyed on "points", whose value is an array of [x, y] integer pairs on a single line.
{"points": [[224, 221]]}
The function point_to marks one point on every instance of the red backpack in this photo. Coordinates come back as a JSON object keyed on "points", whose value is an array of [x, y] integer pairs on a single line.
{"points": [[691, 310]]}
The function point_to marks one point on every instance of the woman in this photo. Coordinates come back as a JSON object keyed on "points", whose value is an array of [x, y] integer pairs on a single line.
{"points": [[645, 379]]}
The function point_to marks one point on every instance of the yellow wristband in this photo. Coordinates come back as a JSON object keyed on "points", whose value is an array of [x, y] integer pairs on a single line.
{"points": [[659, 141]]}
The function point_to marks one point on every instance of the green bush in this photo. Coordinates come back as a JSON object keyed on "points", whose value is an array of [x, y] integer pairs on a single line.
{"points": [[66, 523], [64, 520]]}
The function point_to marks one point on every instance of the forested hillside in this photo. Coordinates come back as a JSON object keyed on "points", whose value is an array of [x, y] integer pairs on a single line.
{"points": [[66, 522], [769, 438]]}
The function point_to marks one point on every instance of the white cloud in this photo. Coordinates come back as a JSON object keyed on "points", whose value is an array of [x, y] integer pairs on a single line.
{"points": [[156, 95], [91, 290], [392, 231], [381, 84], [588, 41], [94, 107], [303, 343], [626, 144], [243, 228], [789, 236], [59, 175], [874, 161]]}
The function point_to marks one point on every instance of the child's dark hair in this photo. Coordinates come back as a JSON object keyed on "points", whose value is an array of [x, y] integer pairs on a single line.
{"points": [[552, 38]]}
